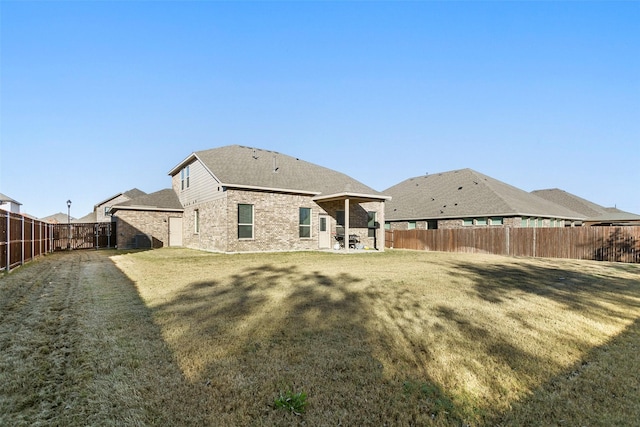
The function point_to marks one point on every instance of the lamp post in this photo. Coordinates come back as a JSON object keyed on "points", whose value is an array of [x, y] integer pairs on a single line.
{"points": [[69, 224]]}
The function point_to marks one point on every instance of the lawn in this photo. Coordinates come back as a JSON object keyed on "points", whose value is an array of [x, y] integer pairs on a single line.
{"points": [[400, 337], [182, 337]]}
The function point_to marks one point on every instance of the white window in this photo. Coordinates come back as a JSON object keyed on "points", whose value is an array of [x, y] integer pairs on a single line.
{"points": [[184, 178], [496, 220], [304, 222], [412, 225], [245, 221], [467, 222], [481, 221]]}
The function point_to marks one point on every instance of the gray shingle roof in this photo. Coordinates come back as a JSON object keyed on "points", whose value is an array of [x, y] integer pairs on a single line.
{"points": [[58, 218], [5, 198], [592, 211], [236, 165], [131, 194], [465, 193], [164, 199]]}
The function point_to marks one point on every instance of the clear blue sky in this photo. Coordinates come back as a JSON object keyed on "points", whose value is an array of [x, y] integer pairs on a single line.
{"points": [[101, 97]]}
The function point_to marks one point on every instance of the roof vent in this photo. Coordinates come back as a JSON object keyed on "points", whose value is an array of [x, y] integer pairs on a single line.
{"points": [[459, 188]]}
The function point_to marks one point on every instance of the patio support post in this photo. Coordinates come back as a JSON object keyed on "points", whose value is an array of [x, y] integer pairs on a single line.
{"points": [[346, 224]]}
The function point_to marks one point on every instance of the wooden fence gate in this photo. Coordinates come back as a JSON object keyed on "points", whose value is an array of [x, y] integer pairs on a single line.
{"points": [[91, 235]]}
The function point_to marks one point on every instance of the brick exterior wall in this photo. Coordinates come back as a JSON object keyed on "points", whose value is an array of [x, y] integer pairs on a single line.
{"points": [[152, 223], [276, 222], [213, 234]]}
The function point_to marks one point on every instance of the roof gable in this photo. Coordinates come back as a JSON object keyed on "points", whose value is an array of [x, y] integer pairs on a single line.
{"points": [[130, 194], [160, 200], [463, 193], [247, 167], [7, 199]]}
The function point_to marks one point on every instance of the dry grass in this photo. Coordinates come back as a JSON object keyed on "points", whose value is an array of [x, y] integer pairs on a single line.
{"points": [[399, 337], [394, 338]]}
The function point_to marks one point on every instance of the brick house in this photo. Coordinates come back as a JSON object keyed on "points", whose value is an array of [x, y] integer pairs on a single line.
{"points": [[148, 220], [468, 199], [594, 214], [243, 199]]}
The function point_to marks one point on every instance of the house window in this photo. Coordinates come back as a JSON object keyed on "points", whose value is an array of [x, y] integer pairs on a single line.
{"points": [[106, 210], [496, 220], [196, 221], [481, 221], [467, 222], [371, 224], [305, 223], [340, 218], [245, 221], [432, 224], [524, 221], [412, 225], [387, 225], [184, 178]]}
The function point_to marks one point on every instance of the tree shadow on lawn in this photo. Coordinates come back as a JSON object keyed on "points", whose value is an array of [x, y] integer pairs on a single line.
{"points": [[602, 389], [271, 329], [366, 353], [585, 288]]}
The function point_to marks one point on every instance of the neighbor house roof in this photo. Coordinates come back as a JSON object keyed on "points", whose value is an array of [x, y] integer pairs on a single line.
{"points": [[163, 200], [254, 168], [466, 193], [90, 217], [592, 211], [7, 199], [131, 194], [58, 218]]}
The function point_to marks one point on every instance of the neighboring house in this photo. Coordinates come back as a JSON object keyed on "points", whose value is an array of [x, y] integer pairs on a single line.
{"points": [[9, 205], [466, 198], [594, 214], [147, 221], [90, 217], [101, 210], [59, 218], [243, 199]]}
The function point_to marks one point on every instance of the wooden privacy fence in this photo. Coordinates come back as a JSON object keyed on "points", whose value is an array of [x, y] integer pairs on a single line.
{"points": [[618, 244], [22, 239]]}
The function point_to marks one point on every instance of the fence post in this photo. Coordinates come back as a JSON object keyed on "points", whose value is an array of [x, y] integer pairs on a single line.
{"points": [[22, 241], [8, 241], [507, 240], [534, 242]]}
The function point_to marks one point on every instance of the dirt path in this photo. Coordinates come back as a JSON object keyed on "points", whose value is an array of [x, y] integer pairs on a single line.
{"points": [[79, 347]]}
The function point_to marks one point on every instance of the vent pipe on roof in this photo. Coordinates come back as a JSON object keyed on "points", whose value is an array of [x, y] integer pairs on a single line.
{"points": [[275, 164]]}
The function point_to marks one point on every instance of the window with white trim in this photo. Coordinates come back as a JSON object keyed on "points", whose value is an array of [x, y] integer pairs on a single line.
{"points": [[304, 223], [496, 220], [184, 178], [245, 221]]}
